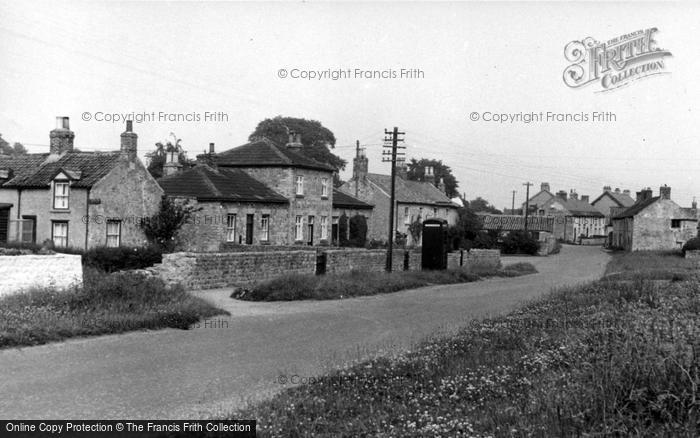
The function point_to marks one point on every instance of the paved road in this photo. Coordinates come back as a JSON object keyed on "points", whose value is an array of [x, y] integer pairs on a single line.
{"points": [[208, 371]]}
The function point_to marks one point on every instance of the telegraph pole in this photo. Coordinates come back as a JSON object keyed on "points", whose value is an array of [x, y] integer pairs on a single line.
{"points": [[391, 157], [527, 201], [512, 207], [357, 155]]}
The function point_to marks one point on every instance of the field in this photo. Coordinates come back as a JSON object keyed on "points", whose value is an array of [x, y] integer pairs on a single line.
{"points": [[606, 358]]}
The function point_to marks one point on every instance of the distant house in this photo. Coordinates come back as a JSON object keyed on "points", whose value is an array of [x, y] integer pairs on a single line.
{"points": [[415, 200], [610, 202], [574, 217], [76, 199], [537, 200], [344, 208], [654, 223]]}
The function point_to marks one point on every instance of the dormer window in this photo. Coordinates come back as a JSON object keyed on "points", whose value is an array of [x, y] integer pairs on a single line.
{"points": [[300, 185], [61, 191]]}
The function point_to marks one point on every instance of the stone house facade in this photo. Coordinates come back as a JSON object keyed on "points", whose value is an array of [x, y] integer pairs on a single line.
{"points": [[574, 218], [610, 202], [415, 200], [344, 208], [654, 223], [77, 199]]}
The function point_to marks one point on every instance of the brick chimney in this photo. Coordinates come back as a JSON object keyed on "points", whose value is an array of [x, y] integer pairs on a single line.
{"points": [[429, 175], [401, 169], [172, 163], [359, 165], [562, 194], [586, 199], [573, 194], [544, 187], [294, 143], [617, 190], [626, 192], [607, 189], [61, 138], [129, 139], [441, 186], [665, 192], [644, 194]]}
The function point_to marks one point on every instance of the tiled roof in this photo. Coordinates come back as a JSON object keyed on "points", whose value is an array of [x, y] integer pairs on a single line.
{"points": [[343, 200], [266, 153], [622, 199], [636, 208], [412, 192], [224, 185], [33, 170], [577, 207]]}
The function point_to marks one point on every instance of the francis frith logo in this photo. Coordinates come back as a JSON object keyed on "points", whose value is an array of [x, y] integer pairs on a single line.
{"points": [[614, 63]]}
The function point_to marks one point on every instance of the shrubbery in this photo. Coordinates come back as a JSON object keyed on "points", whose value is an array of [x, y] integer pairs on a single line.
{"points": [[517, 242], [122, 258], [691, 245]]}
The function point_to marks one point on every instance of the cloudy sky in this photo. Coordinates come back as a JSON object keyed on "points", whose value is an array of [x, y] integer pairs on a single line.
{"points": [[70, 58]]}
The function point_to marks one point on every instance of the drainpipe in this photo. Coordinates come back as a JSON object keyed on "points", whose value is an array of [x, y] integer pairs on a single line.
{"points": [[87, 217], [19, 203]]}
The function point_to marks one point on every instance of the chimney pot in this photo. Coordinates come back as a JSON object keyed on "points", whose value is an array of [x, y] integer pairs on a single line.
{"points": [[129, 126], [211, 148], [606, 188], [617, 190]]}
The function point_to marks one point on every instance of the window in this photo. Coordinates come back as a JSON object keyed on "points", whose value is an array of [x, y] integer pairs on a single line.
{"points": [[435, 212], [324, 227], [324, 187], [298, 229], [60, 195], [300, 185], [59, 233], [114, 233], [265, 225], [231, 228], [675, 223], [311, 231]]}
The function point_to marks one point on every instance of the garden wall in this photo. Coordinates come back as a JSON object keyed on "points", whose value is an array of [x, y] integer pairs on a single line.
{"points": [[216, 270], [21, 272]]}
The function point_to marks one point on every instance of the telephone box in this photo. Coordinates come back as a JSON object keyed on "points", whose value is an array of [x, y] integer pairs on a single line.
{"points": [[435, 244]]}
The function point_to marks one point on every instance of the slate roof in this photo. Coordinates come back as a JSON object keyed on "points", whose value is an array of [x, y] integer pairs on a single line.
{"points": [[621, 199], [636, 208], [507, 222], [34, 171], [343, 200], [222, 185], [264, 152], [412, 192], [577, 207]]}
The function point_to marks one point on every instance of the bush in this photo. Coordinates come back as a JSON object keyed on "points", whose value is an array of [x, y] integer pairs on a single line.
{"points": [[691, 245], [121, 258], [358, 231], [484, 240], [520, 242]]}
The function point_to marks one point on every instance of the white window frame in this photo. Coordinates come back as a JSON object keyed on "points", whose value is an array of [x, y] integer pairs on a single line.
{"points": [[231, 219], [324, 227], [55, 236], [64, 196], [299, 228], [299, 191], [265, 228], [324, 187], [118, 235]]}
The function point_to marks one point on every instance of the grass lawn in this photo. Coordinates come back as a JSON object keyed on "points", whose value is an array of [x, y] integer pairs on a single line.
{"points": [[360, 283], [603, 359], [651, 265], [108, 303]]}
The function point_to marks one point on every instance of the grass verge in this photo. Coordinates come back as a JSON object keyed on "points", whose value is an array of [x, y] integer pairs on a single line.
{"points": [[651, 265], [596, 360], [360, 283], [108, 303]]}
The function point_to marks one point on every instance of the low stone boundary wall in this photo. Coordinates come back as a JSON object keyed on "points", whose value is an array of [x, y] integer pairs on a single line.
{"points": [[592, 241], [22, 272], [215, 270]]}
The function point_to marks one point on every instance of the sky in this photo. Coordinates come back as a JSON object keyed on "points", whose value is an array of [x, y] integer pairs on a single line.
{"points": [[72, 58]]}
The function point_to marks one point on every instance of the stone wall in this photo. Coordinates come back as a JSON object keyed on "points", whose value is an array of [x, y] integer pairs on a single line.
{"points": [[215, 270], [21, 272]]}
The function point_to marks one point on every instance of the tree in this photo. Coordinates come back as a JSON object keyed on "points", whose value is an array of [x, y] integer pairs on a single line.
{"points": [[156, 158], [15, 149], [161, 228], [358, 231], [317, 140], [482, 205], [416, 172], [415, 229]]}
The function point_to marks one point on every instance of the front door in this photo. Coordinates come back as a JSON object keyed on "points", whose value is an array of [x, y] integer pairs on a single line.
{"points": [[29, 229], [311, 231], [4, 222], [249, 220]]}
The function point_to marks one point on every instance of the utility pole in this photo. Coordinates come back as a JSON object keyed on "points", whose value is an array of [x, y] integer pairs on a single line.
{"points": [[357, 156], [527, 201], [391, 157], [512, 207]]}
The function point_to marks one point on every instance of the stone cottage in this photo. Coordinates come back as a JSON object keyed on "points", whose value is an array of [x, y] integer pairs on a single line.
{"points": [[415, 200], [76, 199], [610, 202], [573, 217], [654, 223]]}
